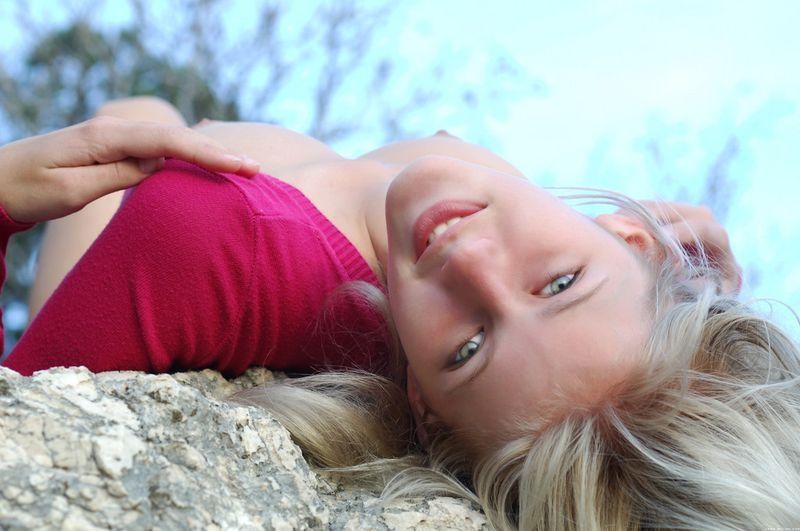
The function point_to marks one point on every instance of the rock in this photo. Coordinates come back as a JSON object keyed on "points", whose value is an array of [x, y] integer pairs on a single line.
{"points": [[139, 451]]}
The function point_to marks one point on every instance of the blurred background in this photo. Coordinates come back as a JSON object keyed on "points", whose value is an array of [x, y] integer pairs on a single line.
{"points": [[681, 100]]}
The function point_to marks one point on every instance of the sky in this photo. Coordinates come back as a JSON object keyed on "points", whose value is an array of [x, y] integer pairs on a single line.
{"points": [[687, 73], [619, 75]]}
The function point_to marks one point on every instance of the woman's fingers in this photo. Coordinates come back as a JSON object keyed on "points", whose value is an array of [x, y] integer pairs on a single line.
{"points": [[710, 234], [149, 166], [690, 223], [696, 229], [111, 139], [53, 175], [84, 185], [669, 212]]}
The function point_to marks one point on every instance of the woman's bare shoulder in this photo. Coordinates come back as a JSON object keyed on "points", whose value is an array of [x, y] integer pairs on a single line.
{"points": [[280, 151]]}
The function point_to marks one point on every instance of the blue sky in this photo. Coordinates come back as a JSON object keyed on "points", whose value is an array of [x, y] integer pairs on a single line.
{"points": [[685, 72], [618, 74]]}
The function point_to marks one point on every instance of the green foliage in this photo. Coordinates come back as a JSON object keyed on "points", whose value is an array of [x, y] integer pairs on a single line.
{"points": [[71, 71]]}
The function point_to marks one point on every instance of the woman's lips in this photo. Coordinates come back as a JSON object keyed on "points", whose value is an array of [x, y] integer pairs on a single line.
{"points": [[439, 213]]}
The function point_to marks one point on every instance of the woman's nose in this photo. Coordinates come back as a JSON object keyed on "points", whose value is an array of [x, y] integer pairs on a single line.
{"points": [[474, 268]]}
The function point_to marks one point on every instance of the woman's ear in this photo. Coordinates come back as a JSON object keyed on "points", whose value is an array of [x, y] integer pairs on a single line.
{"points": [[632, 231], [419, 409]]}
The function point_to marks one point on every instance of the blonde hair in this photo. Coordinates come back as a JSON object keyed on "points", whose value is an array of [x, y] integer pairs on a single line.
{"points": [[704, 434]]}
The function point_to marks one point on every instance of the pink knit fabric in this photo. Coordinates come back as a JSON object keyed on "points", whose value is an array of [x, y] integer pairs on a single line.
{"points": [[205, 270]]}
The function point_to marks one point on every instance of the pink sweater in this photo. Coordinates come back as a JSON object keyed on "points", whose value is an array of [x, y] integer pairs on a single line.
{"points": [[204, 270]]}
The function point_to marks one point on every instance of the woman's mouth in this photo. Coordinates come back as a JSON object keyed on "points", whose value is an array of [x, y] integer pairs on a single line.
{"points": [[437, 219]]}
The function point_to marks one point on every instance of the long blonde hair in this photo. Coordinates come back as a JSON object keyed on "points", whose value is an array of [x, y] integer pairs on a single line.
{"points": [[704, 434]]}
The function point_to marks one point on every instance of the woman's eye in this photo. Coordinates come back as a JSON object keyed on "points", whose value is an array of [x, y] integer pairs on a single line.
{"points": [[469, 348], [559, 284]]}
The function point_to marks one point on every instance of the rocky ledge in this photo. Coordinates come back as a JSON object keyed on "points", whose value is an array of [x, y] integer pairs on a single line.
{"points": [[127, 450]]}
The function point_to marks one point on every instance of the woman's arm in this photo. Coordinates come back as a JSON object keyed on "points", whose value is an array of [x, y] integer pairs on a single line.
{"points": [[52, 175], [161, 289], [66, 239]]}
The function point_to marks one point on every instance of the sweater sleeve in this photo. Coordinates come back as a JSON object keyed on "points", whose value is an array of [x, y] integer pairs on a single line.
{"points": [[160, 290]]}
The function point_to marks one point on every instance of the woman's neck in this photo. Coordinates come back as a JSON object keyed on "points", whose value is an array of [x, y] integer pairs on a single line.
{"points": [[385, 163], [374, 215], [352, 195]]}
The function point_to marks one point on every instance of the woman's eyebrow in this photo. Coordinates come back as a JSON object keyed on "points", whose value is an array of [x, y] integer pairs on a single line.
{"points": [[560, 305]]}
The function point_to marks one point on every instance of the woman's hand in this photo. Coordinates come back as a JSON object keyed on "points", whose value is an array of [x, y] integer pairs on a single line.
{"points": [[52, 175], [692, 225]]}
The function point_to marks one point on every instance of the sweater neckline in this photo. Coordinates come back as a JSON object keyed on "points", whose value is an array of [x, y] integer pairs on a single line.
{"points": [[347, 253]]}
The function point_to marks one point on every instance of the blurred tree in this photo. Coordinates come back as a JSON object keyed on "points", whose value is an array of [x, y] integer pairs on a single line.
{"points": [[326, 74]]}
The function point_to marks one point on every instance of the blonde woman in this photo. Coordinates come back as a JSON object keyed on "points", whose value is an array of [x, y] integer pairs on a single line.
{"points": [[560, 371]]}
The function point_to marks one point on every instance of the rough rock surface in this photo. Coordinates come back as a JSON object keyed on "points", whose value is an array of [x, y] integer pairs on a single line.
{"points": [[126, 450]]}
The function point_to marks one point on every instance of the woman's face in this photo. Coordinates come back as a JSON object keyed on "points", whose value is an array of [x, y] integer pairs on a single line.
{"points": [[521, 301]]}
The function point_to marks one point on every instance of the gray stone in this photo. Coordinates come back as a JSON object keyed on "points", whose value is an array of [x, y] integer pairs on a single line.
{"points": [[127, 450]]}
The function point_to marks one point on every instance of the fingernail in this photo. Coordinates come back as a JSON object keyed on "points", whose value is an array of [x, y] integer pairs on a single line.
{"points": [[233, 158]]}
